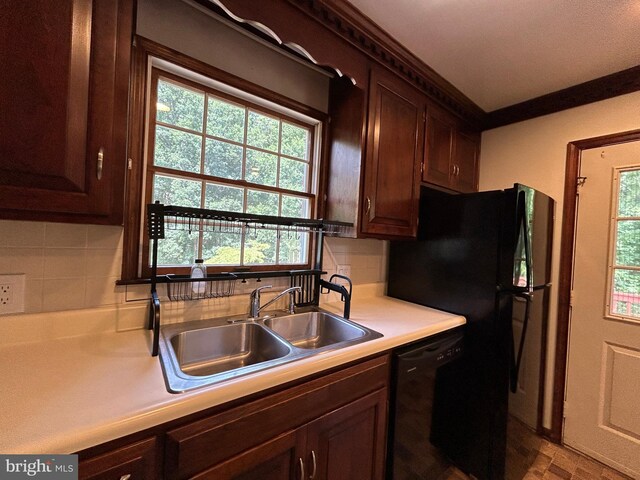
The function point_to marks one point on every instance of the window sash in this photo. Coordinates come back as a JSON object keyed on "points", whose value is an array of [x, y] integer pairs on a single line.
{"points": [[152, 170]]}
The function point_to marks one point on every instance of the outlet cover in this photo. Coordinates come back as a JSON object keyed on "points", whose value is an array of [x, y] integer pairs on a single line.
{"points": [[12, 293]]}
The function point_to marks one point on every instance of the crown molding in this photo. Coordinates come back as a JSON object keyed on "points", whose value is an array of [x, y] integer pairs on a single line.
{"points": [[609, 86]]}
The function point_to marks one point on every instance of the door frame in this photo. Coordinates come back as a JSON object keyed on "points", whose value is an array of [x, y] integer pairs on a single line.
{"points": [[568, 230]]}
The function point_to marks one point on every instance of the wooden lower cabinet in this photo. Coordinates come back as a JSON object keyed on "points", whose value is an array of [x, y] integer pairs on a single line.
{"points": [[136, 461], [331, 427], [346, 444]]}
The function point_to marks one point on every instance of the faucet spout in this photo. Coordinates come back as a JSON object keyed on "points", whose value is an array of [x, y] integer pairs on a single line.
{"points": [[255, 308]]}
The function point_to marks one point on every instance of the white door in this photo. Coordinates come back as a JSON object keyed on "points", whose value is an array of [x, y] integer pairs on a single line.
{"points": [[602, 410]]}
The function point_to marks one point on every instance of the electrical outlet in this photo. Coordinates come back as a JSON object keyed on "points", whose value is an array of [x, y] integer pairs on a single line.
{"points": [[344, 269], [11, 293]]}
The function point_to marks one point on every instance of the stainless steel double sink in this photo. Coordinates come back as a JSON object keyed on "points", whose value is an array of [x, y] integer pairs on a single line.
{"points": [[205, 352]]}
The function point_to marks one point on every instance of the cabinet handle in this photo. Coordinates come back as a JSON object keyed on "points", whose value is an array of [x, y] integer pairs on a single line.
{"points": [[314, 466], [125, 477], [301, 462], [368, 205], [99, 168]]}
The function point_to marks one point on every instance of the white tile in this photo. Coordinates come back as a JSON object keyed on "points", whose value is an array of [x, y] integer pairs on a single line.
{"points": [[6, 259], [104, 236], [136, 293], [29, 261], [65, 235], [63, 294], [21, 234], [33, 295], [101, 262], [64, 262], [101, 291]]}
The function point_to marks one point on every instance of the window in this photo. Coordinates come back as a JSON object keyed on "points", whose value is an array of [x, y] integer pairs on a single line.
{"points": [[208, 149], [624, 270]]}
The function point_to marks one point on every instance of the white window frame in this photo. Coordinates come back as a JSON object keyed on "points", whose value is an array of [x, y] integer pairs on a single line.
{"points": [[613, 241]]}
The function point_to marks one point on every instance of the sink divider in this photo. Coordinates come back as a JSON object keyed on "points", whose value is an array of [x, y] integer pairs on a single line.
{"points": [[180, 288]]}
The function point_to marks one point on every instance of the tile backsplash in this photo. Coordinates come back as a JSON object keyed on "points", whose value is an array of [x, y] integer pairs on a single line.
{"points": [[71, 267]]}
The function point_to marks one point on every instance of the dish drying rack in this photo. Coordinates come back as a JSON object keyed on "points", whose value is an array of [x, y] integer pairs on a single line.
{"points": [[170, 217]]}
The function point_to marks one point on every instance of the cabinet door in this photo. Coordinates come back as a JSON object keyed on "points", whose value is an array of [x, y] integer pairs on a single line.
{"points": [[437, 167], [466, 150], [278, 459], [349, 443], [134, 462], [64, 92], [394, 150]]}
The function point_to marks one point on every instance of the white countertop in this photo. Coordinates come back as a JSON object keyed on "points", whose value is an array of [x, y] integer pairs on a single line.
{"points": [[65, 395]]}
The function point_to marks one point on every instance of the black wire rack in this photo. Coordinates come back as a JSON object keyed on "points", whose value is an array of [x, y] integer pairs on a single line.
{"points": [[170, 217]]}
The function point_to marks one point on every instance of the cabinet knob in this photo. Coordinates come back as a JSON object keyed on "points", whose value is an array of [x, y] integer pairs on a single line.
{"points": [[99, 170], [301, 462], [125, 477], [313, 465]]}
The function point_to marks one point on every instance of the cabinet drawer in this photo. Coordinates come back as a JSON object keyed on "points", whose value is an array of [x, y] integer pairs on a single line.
{"points": [[137, 460], [199, 445]]}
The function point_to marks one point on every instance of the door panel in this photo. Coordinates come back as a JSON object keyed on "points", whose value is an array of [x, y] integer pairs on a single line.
{"points": [[394, 149], [601, 413], [348, 444], [278, 459], [438, 151]]}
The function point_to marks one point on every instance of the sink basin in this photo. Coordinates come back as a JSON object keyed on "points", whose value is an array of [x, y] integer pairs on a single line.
{"points": [[204, 352], [207, 351], [313, 330]]}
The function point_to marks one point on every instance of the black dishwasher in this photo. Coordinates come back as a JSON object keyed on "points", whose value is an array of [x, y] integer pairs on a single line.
{"points": [[411, 455]]}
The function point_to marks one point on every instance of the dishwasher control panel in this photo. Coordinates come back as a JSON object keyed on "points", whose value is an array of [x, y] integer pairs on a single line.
{"points": [[451, 352]]}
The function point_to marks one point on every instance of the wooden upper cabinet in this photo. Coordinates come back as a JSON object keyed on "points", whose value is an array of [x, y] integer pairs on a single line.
{"points": [[465, 157], [451, 153], [64, 92], [395, 136]]}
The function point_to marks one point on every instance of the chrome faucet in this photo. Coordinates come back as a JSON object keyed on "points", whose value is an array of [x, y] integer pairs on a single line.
{"points": [[254, 300]]}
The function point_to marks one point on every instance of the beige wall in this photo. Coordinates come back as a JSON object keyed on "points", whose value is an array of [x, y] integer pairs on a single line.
{"points": [[534, 153]]}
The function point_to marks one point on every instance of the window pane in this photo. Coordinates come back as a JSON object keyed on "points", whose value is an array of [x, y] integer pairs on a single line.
{"points": [[221, 197], [260, 247], [629, 205], [223, 159], [221, 248], [225, 120], [628, 243], [177, 150], [176, 191], [179, 247], [293, 175], [295, 141], [262, 203], [180, 106], [263, 131], [626, 293], [261, 167], [295, 207], [293, 248]]}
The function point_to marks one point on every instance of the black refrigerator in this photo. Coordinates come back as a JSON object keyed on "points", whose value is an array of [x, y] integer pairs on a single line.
{"points": [[486, 256]]}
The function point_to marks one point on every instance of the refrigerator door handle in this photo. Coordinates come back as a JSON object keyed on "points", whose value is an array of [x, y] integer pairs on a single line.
{"points": [[516, 358], [522, 205]]}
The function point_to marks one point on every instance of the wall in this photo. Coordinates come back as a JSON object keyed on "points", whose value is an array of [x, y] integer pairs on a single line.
{"points": [[194, 31], [74, 267], [534, 153]]}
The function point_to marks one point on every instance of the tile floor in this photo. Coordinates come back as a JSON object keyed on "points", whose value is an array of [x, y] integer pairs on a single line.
{"points": [[530, 457]]}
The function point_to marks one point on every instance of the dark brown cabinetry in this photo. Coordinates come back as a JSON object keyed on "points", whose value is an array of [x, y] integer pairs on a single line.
{"points": [[331, 426], [136, 461], [395, 136], [64, 109], [451, 153]]}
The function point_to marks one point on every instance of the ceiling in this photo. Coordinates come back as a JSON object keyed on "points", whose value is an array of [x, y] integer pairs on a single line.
{"points": [[502, 52]]}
